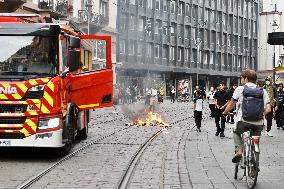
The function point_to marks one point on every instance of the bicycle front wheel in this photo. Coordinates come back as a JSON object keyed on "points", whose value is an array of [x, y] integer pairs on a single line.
{"points": [[252, 168]]}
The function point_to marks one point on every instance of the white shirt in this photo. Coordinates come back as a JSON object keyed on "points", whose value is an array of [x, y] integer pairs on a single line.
{"points": [[238, 95], [199, 105], [210, 96], [153, 92]]}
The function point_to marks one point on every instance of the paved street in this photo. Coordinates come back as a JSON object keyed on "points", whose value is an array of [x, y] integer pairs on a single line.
{"points": [[178, 158]]}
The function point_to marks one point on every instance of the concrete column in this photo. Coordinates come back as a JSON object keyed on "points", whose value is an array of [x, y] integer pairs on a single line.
{"points": [[190, 84], [207, 84], [228, 81]]}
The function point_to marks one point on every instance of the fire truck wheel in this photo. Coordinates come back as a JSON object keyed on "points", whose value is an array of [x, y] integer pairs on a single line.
{"points": [[70, 137], [83, 134]]}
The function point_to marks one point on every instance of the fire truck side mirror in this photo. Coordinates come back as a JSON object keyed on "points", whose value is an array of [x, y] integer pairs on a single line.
{"points": [[74, 60], [74, 42]]}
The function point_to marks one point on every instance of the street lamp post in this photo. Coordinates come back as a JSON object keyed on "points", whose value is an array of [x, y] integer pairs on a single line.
{"points": [[198, 42], [274, 27]]}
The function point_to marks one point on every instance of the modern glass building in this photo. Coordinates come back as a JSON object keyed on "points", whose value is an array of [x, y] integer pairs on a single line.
{"points": [[204, 41]]}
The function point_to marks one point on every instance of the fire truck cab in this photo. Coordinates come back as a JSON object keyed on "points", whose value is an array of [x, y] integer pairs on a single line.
{"points": [[50, 77]]}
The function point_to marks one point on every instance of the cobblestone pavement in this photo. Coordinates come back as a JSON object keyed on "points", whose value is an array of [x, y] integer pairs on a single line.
{"points": [[178, 158]]}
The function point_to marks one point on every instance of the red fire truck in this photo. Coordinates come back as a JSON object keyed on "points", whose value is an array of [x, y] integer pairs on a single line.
{"points": [[50, 76]]}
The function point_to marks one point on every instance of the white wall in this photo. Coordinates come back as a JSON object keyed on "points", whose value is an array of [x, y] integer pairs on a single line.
{"points": [[266, 51]]}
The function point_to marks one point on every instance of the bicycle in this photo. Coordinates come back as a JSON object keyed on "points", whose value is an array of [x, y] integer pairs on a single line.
{"points": [[250, 159]]}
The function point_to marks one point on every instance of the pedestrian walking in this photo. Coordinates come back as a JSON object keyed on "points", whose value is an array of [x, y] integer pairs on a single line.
{"points": [[211, 101], [250, 113], [147, 96], [198, 107], [153, 99], [222, 99], [279, 110], [230, 118], [173, 94], [273, 99]]}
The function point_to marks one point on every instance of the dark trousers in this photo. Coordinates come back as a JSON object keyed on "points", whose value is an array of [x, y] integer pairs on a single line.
{"points": [[218, 117], [269, 118], [198, 118], [172, 98], [279, 117], [212, 110]]}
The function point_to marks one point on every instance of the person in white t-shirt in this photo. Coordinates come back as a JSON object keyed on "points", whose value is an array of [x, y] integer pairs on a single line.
{"points": [[248, 78], [153, 99], [198, 107], [211, 100]]}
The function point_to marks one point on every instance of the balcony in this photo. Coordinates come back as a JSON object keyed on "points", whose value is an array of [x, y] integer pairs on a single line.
{"points": [[97, 21], [10, 5], [61, 7]]}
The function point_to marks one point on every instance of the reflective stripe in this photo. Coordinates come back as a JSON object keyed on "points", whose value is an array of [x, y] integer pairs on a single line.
{"points": [[89, 105]]}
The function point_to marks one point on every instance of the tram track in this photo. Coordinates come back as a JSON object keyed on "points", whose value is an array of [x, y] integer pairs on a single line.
{"points": [[32, 180]]}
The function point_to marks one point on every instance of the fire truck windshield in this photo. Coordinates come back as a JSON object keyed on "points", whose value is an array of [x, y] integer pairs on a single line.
{"points": [[28, 55]]}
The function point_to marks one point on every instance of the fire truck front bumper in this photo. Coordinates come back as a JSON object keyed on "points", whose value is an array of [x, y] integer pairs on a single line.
{"points": [[51, 139]]}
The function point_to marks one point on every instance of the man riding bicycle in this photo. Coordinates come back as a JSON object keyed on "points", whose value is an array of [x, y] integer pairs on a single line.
{"points": [[248, 81]]}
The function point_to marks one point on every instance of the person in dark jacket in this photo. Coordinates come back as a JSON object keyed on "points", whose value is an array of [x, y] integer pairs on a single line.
{"points": [[222, 99], [279, 110]]}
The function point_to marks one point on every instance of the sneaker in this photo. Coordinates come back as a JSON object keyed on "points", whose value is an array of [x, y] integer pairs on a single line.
{"points": [[199, 130], [278, 127], [222, 134], [282, 127], [238, 155], [217, 133], [269, 134]]}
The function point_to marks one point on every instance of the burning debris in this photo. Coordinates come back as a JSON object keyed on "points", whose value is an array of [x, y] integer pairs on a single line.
{"points": [[151, 119]]}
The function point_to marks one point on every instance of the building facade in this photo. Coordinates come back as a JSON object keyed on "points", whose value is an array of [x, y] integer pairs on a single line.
{"points": [[204, 41], [271, 20], [97, 17]]}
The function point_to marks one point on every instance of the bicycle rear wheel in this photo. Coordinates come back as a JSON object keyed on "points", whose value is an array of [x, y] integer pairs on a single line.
{"points": [[252, 168]]}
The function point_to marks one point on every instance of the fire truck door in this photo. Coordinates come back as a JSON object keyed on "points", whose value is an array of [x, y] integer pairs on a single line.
{"points": [[93, 86]]}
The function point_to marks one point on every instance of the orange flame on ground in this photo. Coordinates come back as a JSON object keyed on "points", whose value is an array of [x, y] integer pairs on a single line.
{"points": [[151, 119]]}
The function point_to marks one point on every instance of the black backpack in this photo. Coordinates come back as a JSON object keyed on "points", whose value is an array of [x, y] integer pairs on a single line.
{"points": [[253, 104]]}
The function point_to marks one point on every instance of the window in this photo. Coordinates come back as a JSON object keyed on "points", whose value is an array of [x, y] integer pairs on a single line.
{"points": [[140, 49], [211, 61], [187, 9], [165, 51], [165, 5], [132, 22], [122, 46], [157, 26], [193, 34], [173, 29], [206, 15], [132, 2], [180, 31], [141, 24], [172, 53], [157, 4], [157, 51], [173, 6], [123, 22], [165, 28], [186, 32], [187, 54], [149, 4], [103, 8], [180, 8], [149, 50], [131, 47], [141, 3], [212, 17], [179, 54]]}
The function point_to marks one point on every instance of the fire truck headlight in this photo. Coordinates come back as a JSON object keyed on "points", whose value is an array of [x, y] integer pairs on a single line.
{"points": [[48, 123], [37, 88]]}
